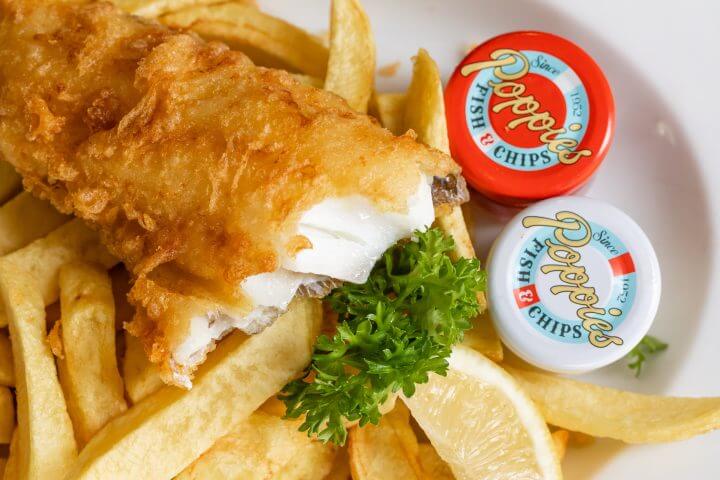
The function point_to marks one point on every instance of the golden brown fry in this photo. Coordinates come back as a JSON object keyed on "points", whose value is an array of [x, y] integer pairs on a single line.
{"points": [[43, 258], [10, 181], [24, 219], [425, 107], [274, 406], [267, 40], [46, 443], [11, 472], [432, 465], [168, 430], [142, 377], [154, 8], [389, 108], [425, 114], [340, 469], [351, 64], [7, 415], [560, 439], [607, 412], [388, 450], [308, 80], [261, 447], [7, 372], [580, 440], [88, 369]]}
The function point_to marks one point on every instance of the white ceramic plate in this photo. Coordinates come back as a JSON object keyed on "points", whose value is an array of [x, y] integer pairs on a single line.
{"points": [[658, 57]]}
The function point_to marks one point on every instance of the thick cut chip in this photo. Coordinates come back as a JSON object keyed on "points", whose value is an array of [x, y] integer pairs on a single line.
{"points": [[7, 372], [340, 469], [10, 472], [46, 444], [167, 431], [351, 65], [309, 80], [389, 108], [388, 450], [425, 114], [560, 438], [141, 376], [26, 218], [88, 368], [7, 415], [261, 447], [432, 465], [425, 106], [43, 258], [153, 8], [10, 181], [482, 423], [607, 412], [267, 40]]}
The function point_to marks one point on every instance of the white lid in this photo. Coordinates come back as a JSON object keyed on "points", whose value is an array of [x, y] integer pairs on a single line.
{"points": [[610, 284]]}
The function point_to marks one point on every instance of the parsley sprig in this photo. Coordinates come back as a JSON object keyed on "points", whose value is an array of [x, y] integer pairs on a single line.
{"points": [[648, 346], [392, 331]]}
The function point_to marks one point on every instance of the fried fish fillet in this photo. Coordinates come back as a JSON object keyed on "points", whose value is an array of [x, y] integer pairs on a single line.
{"points": [[225, 187]]}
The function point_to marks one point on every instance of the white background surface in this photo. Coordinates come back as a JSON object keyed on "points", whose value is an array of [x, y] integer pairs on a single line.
{"points": [[662, 61]]}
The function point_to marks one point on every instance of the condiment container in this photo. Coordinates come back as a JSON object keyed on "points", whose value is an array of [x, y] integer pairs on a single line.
{"points": [[573, 284], [530, 116]]}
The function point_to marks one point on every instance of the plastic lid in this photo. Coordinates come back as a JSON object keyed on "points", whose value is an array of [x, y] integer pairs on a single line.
{"points": [[530, 116], [573, 284]]}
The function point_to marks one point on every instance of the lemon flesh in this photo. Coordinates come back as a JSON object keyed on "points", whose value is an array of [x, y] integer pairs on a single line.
{"points": [[482, 423]]}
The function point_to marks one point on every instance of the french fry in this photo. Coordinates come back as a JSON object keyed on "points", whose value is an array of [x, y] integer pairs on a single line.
{"points": [[46, 444], [141, 376], [308, 80], [24, 219], [7, 372], [425, 114], [154, 8], [340, 469], [121, 284], [432, 465], [560, 439], [10, 181], [167, 431], [263, 446], [88, 368], [579, 440], [43, 258], [10, 472], [267, 40], [388, 450], [351, 64], [425, 106], [389, 108], [607, 412], [7, 415]]}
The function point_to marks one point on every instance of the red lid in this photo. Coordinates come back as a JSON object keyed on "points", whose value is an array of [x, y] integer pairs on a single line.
{"points": [[530, 116]]}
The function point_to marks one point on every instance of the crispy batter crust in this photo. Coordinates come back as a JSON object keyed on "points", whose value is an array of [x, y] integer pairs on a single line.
{"points": [[182, 152]]}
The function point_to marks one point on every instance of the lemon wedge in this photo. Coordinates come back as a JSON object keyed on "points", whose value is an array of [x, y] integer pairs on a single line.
{"points": [[482, 423]]}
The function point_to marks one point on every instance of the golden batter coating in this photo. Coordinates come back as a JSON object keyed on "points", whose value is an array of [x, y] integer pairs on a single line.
{"points": [[182, 152]]}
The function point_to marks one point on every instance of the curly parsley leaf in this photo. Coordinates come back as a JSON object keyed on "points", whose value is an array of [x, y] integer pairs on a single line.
{"points": [[393, 330], [648, 346]]}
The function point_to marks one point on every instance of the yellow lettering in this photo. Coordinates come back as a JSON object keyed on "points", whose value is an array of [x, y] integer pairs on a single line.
{"points": [[525, 107], [568, 157], [600, 340], [555, 144], [568, 256], [501, 57], [574, 277]]}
